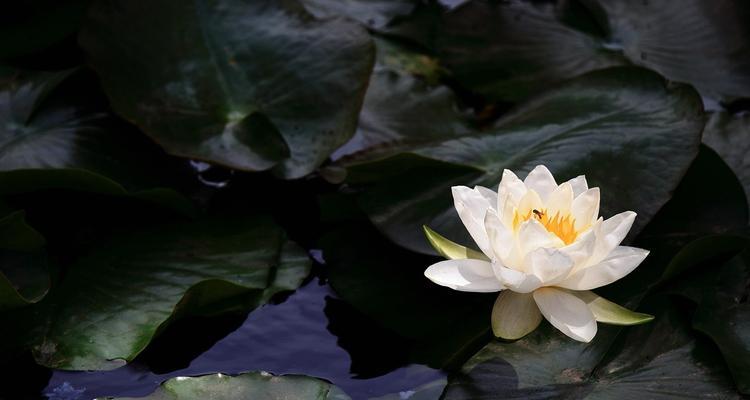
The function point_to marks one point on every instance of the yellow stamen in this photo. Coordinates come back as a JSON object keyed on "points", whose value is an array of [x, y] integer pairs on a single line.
{"points": [[562, 227]]}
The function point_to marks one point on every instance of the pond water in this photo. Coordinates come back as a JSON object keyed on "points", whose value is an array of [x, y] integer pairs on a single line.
{"points": [[294, 336]]}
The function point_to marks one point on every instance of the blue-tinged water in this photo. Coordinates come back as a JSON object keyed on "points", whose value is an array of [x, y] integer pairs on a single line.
{"points": [[292, 337]]}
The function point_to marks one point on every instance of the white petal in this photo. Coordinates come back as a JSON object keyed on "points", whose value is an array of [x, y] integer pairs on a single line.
{"points": [[611, 233], [467, 275], [560, 201], [529, 202], [549, 265], [567, 313], [471, 207], [488, 194], [585, 208], [516, 281], [541, 180], [533, 235], [514, 315], [512, 186], [581, 250], [501, 238], [506, 211], [620, 262], [579, 185]]}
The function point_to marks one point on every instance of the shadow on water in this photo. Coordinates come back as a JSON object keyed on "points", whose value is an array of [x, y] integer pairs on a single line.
{"points": [[311, 333]]}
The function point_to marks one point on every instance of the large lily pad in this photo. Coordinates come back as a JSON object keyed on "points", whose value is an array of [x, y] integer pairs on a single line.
{"points": [[114, 301], [660, 360], [56, 134], [403, 104], [724, 315], [729, 135], [387, 284], [510, 50], [251, 385], [250, 85], [627, 130], [24, 278], [373, 13], [706, 44]]}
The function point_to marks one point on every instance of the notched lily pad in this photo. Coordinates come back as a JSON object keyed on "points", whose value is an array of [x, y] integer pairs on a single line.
{"points": [[660, 360], [114, 301], [250, 385], [250, 85], [24, 278], [56, 133]]}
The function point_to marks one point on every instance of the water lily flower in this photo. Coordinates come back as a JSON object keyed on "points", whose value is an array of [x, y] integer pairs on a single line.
{"points": [[543, 247]]}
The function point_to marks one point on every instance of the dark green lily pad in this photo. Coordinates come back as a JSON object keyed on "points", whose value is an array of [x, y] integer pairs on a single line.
{"points": [[724, 315], [56, 134], [249, 85], [387, 284], [511, 50], [428, 391], [24, 278], [373, 13], [250, 385], [403, 105], [114, 301], [627, 130], [705, 44], [729, 135], [661, 360]]}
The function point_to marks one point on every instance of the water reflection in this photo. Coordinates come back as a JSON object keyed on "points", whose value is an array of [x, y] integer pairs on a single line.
{"points": [[288, 338]]}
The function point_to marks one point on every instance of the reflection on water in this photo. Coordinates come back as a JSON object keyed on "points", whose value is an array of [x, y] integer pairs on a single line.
{"points": [[292, 337]]}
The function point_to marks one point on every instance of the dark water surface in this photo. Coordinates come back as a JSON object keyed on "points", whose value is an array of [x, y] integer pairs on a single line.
{"points": [[292, 337]]}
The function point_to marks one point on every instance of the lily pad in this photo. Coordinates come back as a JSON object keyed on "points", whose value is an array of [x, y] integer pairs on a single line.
{"points": [[387, 284], [113, 302], [250, 385], [706, 44], [724, 315], [56, 134], [511, 50], [373, 13], [403, 105], [24, 278], [660, 360], [729, 135], [626, 129], [249, 85]]}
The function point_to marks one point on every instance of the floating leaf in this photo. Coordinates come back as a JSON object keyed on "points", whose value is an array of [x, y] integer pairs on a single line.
{"points": [[250, 85], [511, 50], [24, 278], [626, 129], [724, 315], [373, 13], [729, 135], [55, 134], [114, 301], [706, 44], [401, 107], [655, 361], [387, 284], [250, 385]]}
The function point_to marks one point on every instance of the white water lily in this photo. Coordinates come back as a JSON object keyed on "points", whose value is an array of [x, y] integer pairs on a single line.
{"points": [[543, 247]]}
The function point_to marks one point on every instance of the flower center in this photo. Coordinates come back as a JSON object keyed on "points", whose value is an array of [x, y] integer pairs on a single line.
{"points": [[562, 227]]}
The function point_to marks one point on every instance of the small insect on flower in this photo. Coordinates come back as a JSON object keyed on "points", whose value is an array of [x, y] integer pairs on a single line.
{"points": [[543, 247]]}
